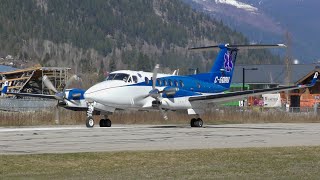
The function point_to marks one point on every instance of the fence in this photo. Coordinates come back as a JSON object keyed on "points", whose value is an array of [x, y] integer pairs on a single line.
{"points": [[217, 115], [12, 104]]}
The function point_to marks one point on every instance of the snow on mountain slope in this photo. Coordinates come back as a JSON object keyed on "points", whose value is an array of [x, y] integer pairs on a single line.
{"points": [[268, 20], [235, 3], [234, 11], [238, 4]]}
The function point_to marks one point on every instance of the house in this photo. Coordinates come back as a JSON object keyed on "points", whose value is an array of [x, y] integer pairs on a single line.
{"points": [[270, 76]]}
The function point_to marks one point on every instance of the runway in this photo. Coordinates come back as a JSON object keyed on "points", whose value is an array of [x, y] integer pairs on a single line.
{"points": [[68, 139]]}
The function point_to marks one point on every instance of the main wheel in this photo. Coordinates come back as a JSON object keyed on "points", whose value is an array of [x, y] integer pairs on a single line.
{"points": [[102, 123], [198, 123], [105, 123], [89, 122], [192, 122], [108, 123]]}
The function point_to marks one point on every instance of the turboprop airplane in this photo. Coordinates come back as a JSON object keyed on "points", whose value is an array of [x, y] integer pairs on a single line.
{"points": [[138, 90]]}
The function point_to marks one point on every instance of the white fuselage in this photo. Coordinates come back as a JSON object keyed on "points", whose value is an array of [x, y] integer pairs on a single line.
{"points": [[131, 92]]}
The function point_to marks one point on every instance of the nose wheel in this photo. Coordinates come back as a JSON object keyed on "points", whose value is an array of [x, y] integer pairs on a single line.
{"points": [[196, 122], [89, 122]]}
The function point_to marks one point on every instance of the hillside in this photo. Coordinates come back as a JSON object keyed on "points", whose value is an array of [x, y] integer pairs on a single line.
{"points": [[103, 35], [269, 20]]}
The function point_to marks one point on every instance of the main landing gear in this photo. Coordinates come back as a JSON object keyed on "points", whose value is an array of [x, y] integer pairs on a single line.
{"points": [[105, 122], [196, 122]]}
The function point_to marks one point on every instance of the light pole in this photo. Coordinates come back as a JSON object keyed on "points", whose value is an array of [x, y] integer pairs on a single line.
{"points": [[243, 78], [243, 75]]}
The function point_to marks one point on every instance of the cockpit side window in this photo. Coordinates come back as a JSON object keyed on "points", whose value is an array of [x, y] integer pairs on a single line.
{"points": [[135, 79], [130, 80]]}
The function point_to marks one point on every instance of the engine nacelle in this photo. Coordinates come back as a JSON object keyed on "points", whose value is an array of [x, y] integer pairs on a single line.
{"points": [[156, 103]]}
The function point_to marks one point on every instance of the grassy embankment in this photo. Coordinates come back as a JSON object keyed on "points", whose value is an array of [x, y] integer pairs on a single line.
{"points": [[246, 163]]}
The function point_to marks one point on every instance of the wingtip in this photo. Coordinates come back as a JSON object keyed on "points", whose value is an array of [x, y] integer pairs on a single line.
{"points": [[282, 45]]}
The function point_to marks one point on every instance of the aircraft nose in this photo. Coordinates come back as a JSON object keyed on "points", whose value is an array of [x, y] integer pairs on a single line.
{"points": [[90, 94], [93, 93]]}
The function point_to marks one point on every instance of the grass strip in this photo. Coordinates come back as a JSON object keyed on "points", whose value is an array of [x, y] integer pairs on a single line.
{"points": [[243, 163]]}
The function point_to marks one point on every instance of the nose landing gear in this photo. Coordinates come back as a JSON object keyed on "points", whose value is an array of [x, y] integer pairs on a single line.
{"points": [[90, 120]]}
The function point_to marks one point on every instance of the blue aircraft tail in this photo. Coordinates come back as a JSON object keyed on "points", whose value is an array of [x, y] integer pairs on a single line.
{"points": [[222, 70]]}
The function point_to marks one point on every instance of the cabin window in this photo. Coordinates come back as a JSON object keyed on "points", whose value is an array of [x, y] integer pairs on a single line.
{"points": [[181, 83], [164, 82], [199, 85], [176, 83], [146, 80], [170, 82], [158, 82]]}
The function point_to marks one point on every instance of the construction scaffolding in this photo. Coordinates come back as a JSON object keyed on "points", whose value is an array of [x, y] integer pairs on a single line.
{"points": [[30, 80]]}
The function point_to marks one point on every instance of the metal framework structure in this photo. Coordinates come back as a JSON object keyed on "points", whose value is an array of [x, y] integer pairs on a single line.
{"points": [[30, 79]]}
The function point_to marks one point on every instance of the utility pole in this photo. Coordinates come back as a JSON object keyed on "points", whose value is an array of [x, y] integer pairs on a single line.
{"points": [[288, 63]]}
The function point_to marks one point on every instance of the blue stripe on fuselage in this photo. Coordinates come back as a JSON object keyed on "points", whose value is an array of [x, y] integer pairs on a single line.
{"points": [[192, 85]]}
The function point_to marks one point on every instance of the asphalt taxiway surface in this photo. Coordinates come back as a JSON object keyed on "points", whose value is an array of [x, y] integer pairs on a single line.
{"points": [[67, 139]]}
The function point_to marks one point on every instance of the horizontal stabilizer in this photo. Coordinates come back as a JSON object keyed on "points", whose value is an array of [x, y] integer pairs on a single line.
{"points": [[225, 97], [250, 46]]}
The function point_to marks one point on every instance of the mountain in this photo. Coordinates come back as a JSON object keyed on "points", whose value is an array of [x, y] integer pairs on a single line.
{"points": [[103, 35], [269, 20]]}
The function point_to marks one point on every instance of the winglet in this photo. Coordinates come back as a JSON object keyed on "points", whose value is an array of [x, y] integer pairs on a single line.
{"points": [[4, 88]]}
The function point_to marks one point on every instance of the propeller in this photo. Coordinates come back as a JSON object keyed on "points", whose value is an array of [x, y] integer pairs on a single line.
{"points": [[49, 84], [61, 95], [70, 80], [155, 93]]}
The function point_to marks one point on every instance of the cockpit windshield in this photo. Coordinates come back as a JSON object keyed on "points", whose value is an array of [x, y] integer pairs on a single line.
{"points": [[118, 76]]}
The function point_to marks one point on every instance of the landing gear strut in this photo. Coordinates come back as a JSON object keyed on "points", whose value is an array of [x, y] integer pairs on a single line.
{"points": [[196, 122], [106, 122], [89, 120]]}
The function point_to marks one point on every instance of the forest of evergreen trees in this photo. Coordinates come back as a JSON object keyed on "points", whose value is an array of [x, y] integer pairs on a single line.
{"points": [[125, 34]]}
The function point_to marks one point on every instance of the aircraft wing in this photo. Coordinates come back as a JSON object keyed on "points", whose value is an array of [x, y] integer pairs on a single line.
{"points": [[224, 97], [45, 96]]}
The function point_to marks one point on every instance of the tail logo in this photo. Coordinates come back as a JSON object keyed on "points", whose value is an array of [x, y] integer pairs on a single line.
{"points": [[228, 65]]}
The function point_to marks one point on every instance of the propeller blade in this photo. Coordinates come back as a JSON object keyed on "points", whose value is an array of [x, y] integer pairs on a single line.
{"points": [[48, 84], [154, 77], [70, 80], [59, 96]]}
